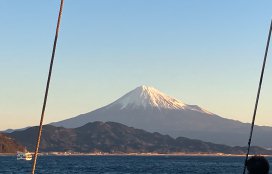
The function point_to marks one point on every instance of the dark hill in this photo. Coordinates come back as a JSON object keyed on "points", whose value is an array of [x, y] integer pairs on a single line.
{"points": [[8, 145], [114, 137]]}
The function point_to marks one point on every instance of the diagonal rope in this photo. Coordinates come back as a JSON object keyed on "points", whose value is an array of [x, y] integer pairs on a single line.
{"points": [[47, 89], [258, 95]]}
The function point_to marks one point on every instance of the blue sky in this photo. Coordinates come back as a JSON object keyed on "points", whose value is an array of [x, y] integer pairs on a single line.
{"points": [[207, 53]]}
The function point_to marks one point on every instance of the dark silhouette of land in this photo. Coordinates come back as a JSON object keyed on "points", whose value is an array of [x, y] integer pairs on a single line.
{"points": [[111, 137]]}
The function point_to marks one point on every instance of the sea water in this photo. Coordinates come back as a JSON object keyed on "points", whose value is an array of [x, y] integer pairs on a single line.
{"points": [[125, 165]]}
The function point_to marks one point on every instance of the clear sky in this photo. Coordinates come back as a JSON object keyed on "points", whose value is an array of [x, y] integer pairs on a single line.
{"points": [[207, 53]]}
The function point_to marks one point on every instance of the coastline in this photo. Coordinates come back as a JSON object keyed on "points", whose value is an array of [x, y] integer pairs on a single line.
{"points": [[134, 154]]}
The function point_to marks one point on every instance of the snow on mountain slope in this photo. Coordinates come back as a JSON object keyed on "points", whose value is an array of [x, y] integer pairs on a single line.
{"points": [[149, 97], [145, 96]]}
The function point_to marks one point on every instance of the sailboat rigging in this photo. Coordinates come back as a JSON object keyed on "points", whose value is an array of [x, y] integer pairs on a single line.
{"points": [[258, 96], [47, 88]]}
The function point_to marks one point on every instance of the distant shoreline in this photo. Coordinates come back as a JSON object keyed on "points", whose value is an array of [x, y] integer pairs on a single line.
{"points": [[133, 154]]}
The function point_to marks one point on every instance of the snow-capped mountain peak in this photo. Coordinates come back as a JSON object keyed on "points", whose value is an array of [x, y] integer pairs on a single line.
{"points": [[145, 96], [150, 97]]}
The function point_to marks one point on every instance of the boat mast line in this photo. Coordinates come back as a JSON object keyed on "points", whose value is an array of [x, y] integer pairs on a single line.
{"points": [[258, 95], [47, 89]]}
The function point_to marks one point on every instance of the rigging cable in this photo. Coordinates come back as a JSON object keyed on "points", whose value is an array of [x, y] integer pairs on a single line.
{"points": [[257, 98], [47, 89]]}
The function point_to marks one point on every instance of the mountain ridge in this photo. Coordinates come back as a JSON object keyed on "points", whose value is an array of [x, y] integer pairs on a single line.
{"points": [[139, 108], [111, 137]]}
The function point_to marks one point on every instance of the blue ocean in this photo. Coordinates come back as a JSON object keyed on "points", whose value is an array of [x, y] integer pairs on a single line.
{"points": [[125, 165]]}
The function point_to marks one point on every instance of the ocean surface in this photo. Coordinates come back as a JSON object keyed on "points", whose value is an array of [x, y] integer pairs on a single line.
{"points": [[125, 165]]}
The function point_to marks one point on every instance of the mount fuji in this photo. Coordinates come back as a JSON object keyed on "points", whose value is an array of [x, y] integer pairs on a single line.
{"points": [[149, 109]]}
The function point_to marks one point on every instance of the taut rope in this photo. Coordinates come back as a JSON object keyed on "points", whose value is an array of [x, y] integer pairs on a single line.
{"points": [[47, 89], [258, 95]]}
